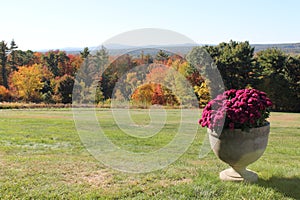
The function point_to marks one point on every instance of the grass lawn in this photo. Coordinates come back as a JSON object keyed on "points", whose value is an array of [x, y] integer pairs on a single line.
{"points": [[42, 157]]}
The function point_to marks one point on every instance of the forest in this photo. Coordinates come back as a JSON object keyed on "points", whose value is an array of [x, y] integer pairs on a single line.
{"points": [[49, 77]]}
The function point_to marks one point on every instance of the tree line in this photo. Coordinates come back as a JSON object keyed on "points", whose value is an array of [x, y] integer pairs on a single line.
{"points": [[270, 70], [49, 77]]}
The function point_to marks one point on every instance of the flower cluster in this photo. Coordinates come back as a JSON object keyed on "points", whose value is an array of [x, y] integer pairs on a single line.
{"points": [[245, 108]]}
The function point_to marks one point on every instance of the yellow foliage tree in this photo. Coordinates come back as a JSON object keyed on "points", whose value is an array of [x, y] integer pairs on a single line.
{"points": [[28, 81], [203, 94]]}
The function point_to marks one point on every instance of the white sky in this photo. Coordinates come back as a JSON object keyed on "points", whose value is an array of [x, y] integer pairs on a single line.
{"points": [[53, 24]]}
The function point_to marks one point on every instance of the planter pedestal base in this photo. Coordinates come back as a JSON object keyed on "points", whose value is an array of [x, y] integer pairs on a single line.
{"points": [[238, 175], [239, 149]]}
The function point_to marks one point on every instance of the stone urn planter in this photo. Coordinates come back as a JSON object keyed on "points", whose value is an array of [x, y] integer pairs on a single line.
{"points": [[239, 149], [238, 130]]}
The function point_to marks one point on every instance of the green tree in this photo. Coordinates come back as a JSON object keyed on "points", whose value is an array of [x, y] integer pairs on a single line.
{"points": [[114, 72], [280, 79], [12, 50], [100, 60], [56, 61], [99, 97], [22, 58], [88, 78], [161, 56], [85, 53], [148, 59], [293, 74], [235, 63], [63, 89], [4, 50]]}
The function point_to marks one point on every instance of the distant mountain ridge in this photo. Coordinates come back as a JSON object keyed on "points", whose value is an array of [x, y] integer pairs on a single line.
{"points": [[115, 49], [286, 47]]}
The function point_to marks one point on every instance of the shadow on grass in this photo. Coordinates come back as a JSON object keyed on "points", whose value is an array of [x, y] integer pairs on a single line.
{"points": [[289, 187]]}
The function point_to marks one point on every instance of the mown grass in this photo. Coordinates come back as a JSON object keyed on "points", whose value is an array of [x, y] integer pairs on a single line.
{"points": [[42, 157]]}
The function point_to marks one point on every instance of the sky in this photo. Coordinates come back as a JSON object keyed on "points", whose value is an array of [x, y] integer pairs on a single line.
{"points": [[54, 24]]}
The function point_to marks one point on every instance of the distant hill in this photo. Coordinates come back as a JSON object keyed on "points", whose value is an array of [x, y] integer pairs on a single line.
{"points": [[292, 48], [288, 48], [182, 49], [152, 50]]}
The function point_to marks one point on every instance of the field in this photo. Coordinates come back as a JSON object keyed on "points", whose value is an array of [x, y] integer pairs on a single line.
{"points": [[42, 157]]}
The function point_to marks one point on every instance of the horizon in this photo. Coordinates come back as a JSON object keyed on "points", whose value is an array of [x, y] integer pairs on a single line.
{"points": [[118, 46]]}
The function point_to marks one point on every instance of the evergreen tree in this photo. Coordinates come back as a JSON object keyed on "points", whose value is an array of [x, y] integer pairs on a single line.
{"points": [[12, 50], [85, 53], [56, 61], [162, 56], [280, 79], [235, 63], [4, 50]]}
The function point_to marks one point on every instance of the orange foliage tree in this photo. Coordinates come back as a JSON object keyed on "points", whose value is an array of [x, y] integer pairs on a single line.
{"points": [[153, 93], [143, 94], [4, 93]]}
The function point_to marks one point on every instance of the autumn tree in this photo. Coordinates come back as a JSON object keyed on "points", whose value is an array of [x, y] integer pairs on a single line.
{"points": [[157, 73], [203, 94], [143, 94], [4, 93], [188, 71], [153, 93], [63, 68], [28, 81], [73, 64], [158, 95]]}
